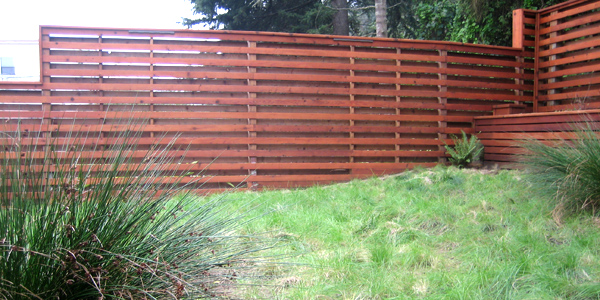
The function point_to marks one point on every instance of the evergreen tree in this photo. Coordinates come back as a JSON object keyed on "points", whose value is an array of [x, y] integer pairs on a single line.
{"points": [[467, 21], [304, 16], [471, 21]]}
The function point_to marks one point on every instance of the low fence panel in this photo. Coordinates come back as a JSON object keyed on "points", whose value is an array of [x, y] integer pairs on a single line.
{"points": [[503, 136]]}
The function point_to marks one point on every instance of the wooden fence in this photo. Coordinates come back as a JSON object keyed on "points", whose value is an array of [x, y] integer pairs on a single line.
{"points": [[503, 136], [565, 40], [268, 109], [280, 110]]}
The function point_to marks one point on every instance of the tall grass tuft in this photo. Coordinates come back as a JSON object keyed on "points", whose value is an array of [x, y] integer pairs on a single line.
{"points": [[81, 226], [569, 169]]}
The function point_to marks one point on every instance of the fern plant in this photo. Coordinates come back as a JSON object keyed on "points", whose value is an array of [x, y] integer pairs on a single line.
{"points": [[465, 151]]}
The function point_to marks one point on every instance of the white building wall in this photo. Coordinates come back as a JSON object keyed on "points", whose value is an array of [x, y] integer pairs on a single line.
{"points": [[26, 59]]}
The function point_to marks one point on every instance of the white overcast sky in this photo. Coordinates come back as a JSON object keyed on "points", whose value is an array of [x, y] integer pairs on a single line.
{"points": [[20, 19]]}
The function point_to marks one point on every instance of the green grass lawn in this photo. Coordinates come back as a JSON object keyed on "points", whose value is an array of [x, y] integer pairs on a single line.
{"points": [[428, 234]]}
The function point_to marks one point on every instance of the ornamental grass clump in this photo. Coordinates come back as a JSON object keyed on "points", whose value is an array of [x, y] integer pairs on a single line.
{"points": [[569, 170], [78, 225]]}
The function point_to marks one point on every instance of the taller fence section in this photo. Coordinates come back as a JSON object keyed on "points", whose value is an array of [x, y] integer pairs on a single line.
{"points": [[268, 109], [565, 40], [567, 58]]}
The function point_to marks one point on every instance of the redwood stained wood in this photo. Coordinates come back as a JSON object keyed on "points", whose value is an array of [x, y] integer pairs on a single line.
{"points": [[291, 109], [577, 45], [550, 119], [573, 106], [574, 22], [523, 129], [518, 28], [503, 136], [226, 115], [527, 135], [88, 128], [282, 77], [214, 154], [287, 51], [201, 169], [243, 141], [228, 35], [570, 12], [491, 61], [572, 59], [239, 101], [584, 93], [566, 72], [570, 83]]}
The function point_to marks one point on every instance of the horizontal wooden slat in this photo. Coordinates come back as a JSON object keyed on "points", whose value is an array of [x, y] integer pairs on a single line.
{"points": [[536, 118], [242, 141], [589, 81], [281, 64], [567, 72], [166, 48], [228, 115], [279, 38], [239, 101], [572, 59], [570, 106], [582, 94], [569, 12], [282, 77], [84, 128], [522, 128], [578, 45], [528, 135]]}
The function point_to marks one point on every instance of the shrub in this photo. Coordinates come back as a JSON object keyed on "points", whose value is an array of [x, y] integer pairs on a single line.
{"points": [[568, 169], [465, 151], [75, 227]]}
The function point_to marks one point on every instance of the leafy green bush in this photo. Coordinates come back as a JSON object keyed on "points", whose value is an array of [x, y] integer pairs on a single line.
{"points": [[465, 151], [568, 169], [75, 227]]}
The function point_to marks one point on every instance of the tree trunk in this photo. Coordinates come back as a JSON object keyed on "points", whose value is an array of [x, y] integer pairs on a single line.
{"points": [[381, 18], [340, 17]]}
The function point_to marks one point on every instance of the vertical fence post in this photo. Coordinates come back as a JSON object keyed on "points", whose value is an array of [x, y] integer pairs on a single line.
{"points": [[398, 100], [518, 41], [536, 64], [46, 93], [100, 77], [550, 58], [102, 106], [443, 100], [151, 108], [251, 121], [351, 123], [519, 71], [518, 26]]}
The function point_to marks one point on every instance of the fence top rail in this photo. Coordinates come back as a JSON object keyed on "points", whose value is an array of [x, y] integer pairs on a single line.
{"points": [[559, 6], [277, 37], [529, 115]]}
